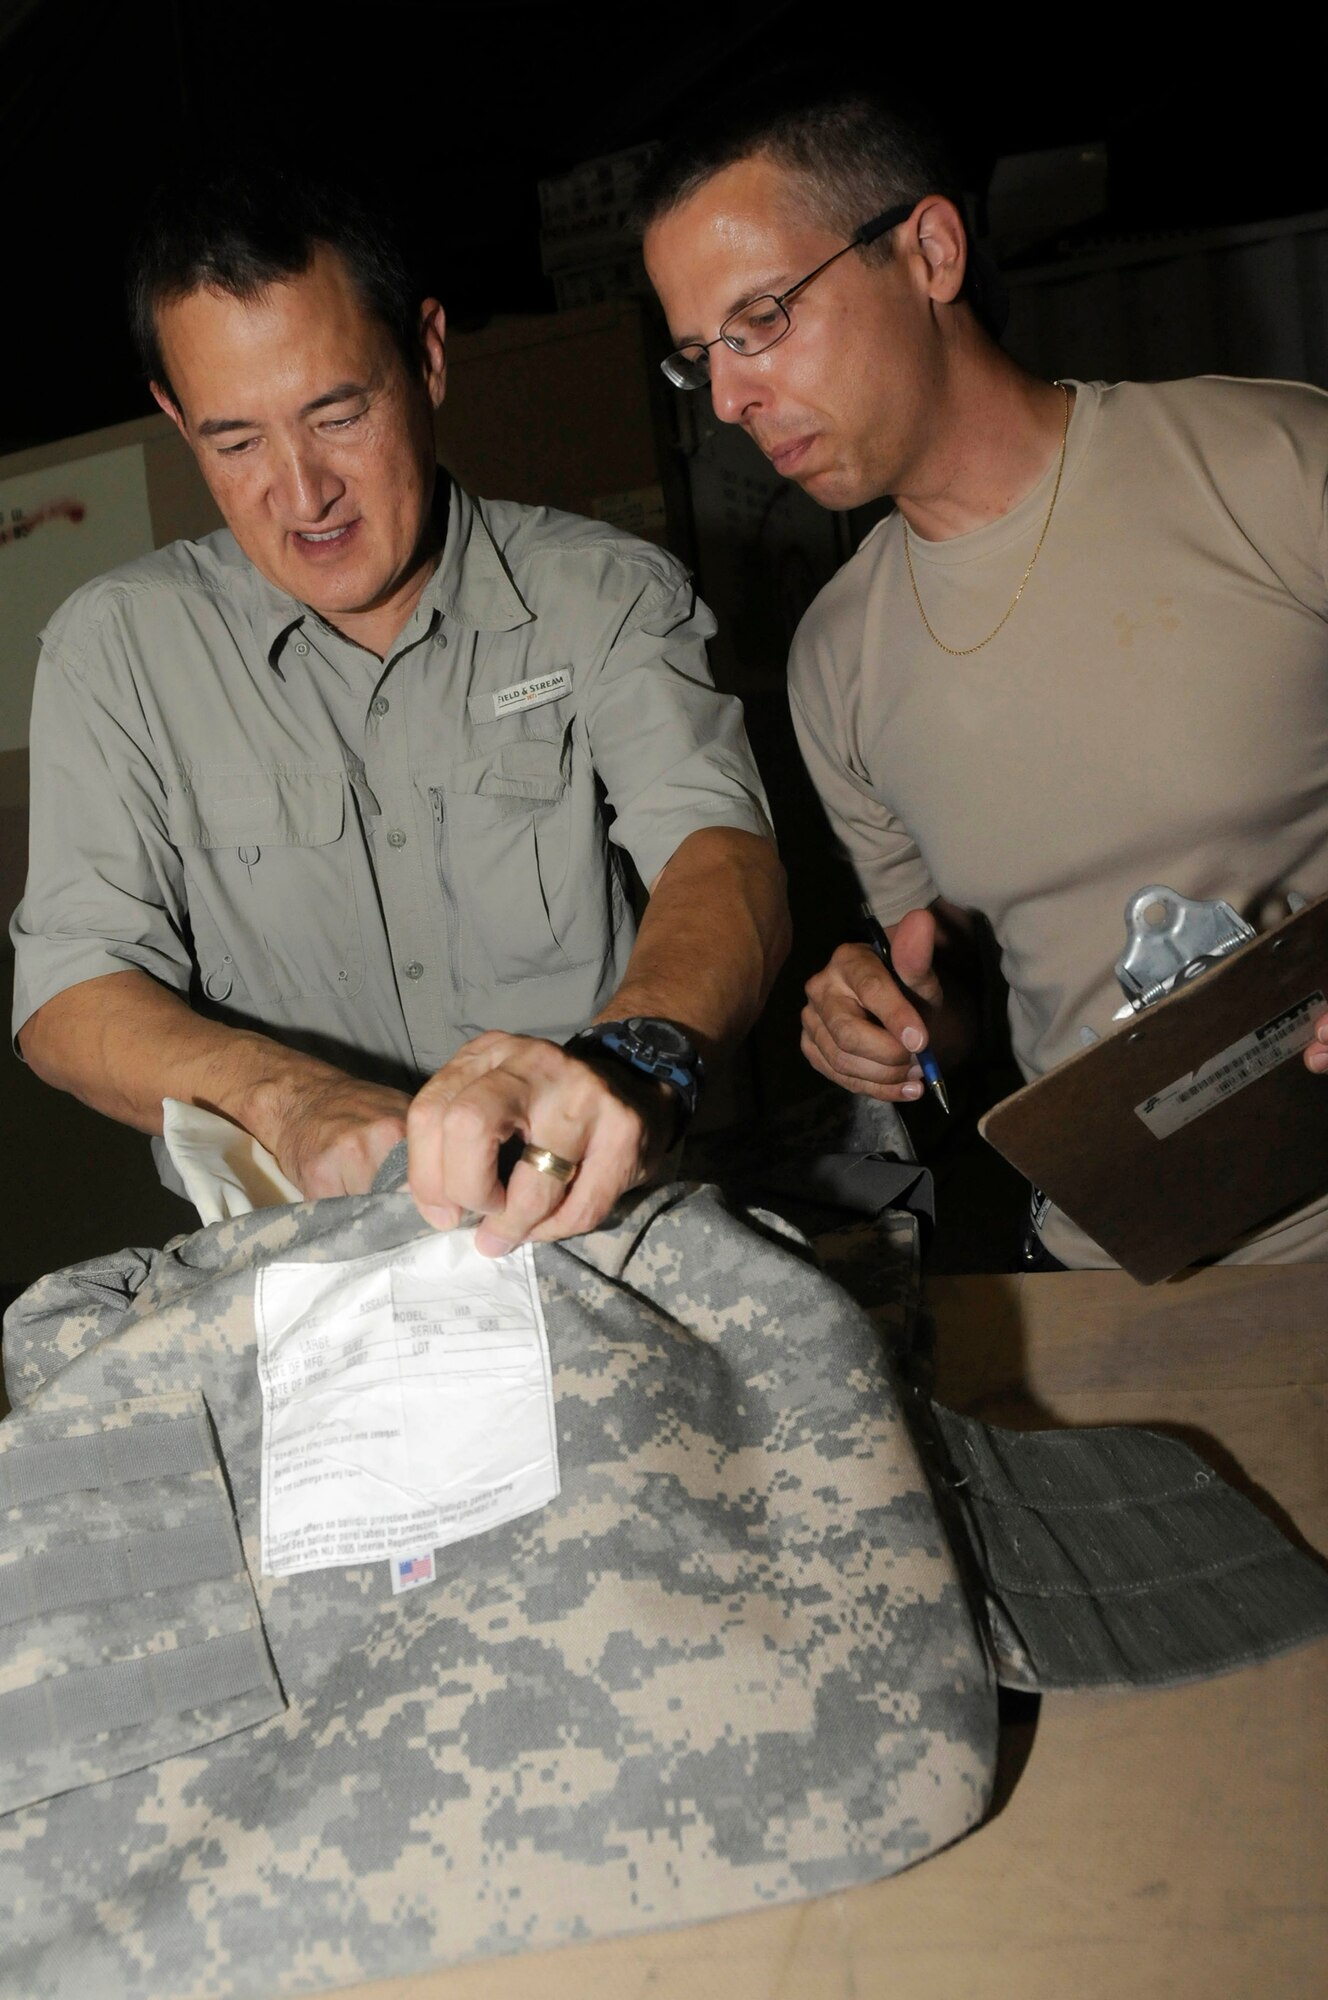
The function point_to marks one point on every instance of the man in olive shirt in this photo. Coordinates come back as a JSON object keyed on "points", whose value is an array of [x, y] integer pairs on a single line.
{"points": [[319, 802], [1086, 652]]}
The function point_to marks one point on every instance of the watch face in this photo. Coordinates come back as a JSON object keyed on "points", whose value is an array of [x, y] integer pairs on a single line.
{"points": [[654, 1047], [659, 1038]]}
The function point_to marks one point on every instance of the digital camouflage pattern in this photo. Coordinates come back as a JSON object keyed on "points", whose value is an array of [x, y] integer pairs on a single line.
{"points": [[731, 1665]]}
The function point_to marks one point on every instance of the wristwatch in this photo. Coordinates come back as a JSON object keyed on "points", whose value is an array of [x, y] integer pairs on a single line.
{"points": [[655, 1048]]}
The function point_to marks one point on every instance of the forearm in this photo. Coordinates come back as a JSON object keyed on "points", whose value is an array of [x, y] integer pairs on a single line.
{"points": [[123, 1042], [714, 934]]}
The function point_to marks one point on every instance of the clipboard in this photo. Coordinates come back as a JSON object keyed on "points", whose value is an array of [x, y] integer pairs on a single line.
{"points": [[1193, 1121]]}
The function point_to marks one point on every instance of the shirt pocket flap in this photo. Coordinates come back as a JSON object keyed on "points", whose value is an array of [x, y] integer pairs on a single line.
{"points": [[528, 770], [256, 808]]}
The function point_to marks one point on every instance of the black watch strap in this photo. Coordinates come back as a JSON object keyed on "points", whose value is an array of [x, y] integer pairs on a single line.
{"points": [[652, 1047]]}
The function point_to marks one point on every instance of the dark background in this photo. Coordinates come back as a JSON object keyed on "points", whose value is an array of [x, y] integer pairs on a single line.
{"points": [[460, 109]]}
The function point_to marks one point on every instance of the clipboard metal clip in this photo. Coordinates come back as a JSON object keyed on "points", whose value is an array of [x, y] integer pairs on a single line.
{"points": [[1170, 939]]}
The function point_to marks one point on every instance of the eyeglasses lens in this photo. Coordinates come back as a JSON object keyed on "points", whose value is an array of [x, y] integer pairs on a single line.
{"points": [[755, 327], [749, 331], [688, 369]]}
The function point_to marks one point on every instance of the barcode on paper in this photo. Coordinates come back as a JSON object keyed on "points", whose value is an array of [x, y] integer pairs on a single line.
{"points": [[1232, 1069]]}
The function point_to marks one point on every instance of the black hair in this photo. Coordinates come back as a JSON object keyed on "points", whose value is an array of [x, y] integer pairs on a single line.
{"points": [[242, 230]]}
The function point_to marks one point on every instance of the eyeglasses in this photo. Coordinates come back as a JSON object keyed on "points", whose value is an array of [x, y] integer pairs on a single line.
{"points": [[764, 321]]}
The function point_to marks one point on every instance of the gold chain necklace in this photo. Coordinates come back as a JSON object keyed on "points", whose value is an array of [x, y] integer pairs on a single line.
{"points": [[959, 652]]}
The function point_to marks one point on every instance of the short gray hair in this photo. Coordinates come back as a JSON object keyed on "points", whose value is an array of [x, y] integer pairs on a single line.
{"points": [[852, 156]]}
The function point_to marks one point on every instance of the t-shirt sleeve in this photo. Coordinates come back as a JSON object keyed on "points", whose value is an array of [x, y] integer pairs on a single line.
{"points": [[1260, 450], [670, 750], [884, 855], [104, 890]]}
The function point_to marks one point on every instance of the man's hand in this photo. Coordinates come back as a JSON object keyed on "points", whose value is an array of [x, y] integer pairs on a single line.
{"points": [[121, 1042], [502, 1086], [337, 1133], [712, 938], [859, 1029], [1316, 1054]]}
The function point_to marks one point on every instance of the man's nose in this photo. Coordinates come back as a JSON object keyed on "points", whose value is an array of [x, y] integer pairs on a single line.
{"points": [[307, 486], [734, 388]]}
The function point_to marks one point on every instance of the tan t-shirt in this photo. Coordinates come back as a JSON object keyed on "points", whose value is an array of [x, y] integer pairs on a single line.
{"points": [[1155, 710]]}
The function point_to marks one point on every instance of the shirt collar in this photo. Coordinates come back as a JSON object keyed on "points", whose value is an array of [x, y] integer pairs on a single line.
{"points": [[470, 584]]}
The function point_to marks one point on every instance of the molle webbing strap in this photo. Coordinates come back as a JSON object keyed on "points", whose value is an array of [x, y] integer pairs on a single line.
{"points": [[1117, 1556], [47, 1466], [97, 1572], [128, 1626], [129, 1694]]}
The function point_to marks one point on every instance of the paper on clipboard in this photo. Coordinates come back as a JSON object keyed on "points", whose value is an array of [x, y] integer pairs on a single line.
{"points": [[1193, 1122]]}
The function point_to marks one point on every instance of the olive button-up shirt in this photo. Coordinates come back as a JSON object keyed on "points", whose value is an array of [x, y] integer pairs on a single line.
{"points": [[374, 859]]}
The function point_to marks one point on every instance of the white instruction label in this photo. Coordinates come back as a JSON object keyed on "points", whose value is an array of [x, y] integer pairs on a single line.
{"points": [[407, 1402], [1232, 1068]]}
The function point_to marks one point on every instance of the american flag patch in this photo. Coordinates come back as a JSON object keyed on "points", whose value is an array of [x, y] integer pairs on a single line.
{"points": [[409, 1572]]}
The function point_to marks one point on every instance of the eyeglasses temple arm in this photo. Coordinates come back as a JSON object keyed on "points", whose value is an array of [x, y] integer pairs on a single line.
{"points": [[879, 224]]}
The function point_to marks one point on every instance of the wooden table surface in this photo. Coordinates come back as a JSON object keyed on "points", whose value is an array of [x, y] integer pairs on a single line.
{"points": [[1167, 1844]]}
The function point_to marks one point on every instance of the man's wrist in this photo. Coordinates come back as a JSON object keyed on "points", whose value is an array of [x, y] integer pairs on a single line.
{"points": [[658, 1104], [273, 1086], [650, 1060]]}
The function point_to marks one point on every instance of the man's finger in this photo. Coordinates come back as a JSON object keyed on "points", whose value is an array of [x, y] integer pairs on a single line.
{"points": [[894, 1081], [530, 1197], [856, 985], [858, 1047], [615, 1162], [453, 1149], [880, 1014], [1316, 1055], [609, 1158], [883, 1093], [496, 1086], [902, 1024], [863, 1009]]}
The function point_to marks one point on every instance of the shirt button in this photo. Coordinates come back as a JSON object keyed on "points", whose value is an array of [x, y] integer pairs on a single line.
{"points": [[415, 970], [440, 638], [381, 704], [396, 838], [301, 647]]}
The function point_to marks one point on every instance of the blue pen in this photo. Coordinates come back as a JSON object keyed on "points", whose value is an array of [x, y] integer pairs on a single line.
{"points": [[927, 1063]]}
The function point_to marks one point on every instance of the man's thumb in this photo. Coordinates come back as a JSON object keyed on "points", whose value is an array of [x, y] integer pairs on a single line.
{"points": [[911, 948]]}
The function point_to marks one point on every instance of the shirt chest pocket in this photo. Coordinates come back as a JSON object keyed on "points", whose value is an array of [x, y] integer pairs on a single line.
{"points": [[527, 884], [270, 882]]}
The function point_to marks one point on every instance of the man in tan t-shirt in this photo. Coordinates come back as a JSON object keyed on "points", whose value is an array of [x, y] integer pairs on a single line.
{"points": [[1087, 651]]}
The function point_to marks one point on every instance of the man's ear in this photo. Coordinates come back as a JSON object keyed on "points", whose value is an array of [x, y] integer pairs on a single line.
{"points": [[943, 244], [164, 400], [433, 346]]}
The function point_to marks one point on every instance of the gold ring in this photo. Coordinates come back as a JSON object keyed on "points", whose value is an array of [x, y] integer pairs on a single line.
{"points": [[552, 1164]]}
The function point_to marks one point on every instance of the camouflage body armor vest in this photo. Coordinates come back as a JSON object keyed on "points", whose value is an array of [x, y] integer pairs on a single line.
{"points": [[748, 1654]]}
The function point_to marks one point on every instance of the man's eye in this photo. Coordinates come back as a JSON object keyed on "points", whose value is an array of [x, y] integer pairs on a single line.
{"points": [[755, 326], [234, 450], [343, 423]]}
